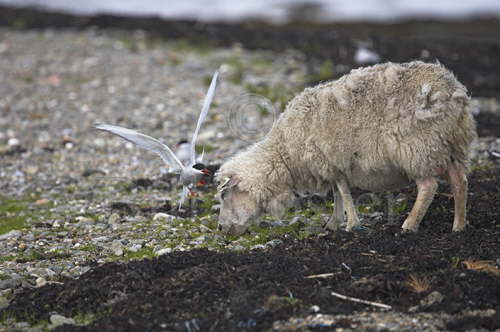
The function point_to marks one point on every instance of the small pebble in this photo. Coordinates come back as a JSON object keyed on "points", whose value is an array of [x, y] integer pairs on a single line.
{"points": [[42, 201], [163, 251], [116, 248], [13, 141], [40, 282], [58, 320], [163, 217], [114, 219]]}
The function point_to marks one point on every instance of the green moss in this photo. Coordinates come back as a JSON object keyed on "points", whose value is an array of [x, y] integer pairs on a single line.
{"points": [[71, 189], [145, 252], [199, 148], [237, 69], [85, 318], [128, 43], [325, 72], [9, 223], [207, 80], [93, 217], [2, 275], [19, 24], [278, 303], [90, 247], [8, 258], [262, 235], [399, 207], [34, 255], [260, 63], [208, 201], [12, 205], [278, 94], [14, 213], [482, 166], [186, 46], [30, 256]]}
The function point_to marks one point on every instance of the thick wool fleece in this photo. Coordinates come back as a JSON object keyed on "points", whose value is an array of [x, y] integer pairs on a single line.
{"points": [[378, 127]]}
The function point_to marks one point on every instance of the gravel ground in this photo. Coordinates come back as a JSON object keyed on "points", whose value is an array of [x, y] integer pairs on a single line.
{"points": [[72, 197]]}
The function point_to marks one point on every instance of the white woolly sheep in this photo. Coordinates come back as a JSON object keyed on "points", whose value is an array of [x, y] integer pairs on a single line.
{"points": [[376, 128]]}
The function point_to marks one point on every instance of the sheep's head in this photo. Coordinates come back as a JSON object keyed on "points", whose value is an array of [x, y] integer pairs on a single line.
{"points": [[238, 209]]}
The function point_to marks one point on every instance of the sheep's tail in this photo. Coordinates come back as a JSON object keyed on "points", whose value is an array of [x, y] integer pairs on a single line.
{"points": [[450, 116], [465, 132]]}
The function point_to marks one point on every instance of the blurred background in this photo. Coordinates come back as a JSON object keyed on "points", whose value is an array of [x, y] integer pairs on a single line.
{"points": [[277, 11], [146, 64]]}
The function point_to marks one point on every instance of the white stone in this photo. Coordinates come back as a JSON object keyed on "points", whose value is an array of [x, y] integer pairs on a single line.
{"points": [[114, 219], [135, 248], [84, 219], [40, 282], [58, 320], [11, 234], [117, 248], [163, 217], [13, 141], [164, 251]]}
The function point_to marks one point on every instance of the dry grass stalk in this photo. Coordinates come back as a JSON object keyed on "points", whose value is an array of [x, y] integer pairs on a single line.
{"points": [[323, 275], [417, 285], [482, 266]]}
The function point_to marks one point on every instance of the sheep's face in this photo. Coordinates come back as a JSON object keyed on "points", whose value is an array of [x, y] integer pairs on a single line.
{"points": [[238, 209]]}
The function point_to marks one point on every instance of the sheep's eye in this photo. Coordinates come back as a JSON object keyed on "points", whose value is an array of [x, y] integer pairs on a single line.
{"points": [[223, 194]]}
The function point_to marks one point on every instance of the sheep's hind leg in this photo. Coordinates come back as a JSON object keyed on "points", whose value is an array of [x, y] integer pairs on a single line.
{"points": [[337, 217], [426, 190], [458, 182], [352, 216]]}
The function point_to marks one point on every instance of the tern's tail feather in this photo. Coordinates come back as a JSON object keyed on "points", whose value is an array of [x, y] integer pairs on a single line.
{"points": [[185, 191]]}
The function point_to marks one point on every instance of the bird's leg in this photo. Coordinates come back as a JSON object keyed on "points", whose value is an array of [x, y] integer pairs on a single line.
{"points": [[337, 217], [191, 194]]}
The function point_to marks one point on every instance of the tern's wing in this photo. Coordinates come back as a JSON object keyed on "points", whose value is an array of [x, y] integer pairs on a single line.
{"points": [[203, 115], [145, 142]]}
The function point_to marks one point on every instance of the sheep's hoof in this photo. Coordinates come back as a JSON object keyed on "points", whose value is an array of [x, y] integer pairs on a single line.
{"points": [[459, 227], [409, 230]]}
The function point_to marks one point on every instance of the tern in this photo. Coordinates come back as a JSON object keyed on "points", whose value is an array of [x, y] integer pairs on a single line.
{"points": [[191, 172]]}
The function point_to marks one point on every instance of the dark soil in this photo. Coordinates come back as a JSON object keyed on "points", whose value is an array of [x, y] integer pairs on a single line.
{"points": [[470, 49], [488, 124], [247, 291]]}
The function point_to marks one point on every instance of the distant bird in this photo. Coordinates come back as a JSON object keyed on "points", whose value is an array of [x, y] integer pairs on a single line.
{"points": [[194, 170], [365, 56]]}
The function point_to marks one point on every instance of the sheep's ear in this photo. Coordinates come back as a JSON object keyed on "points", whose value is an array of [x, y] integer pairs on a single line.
{"points": [[226, 183]]}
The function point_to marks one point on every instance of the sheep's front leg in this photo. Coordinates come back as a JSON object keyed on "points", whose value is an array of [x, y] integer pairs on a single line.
{"points": [[337, 217], [458, 182], [426, 190], [352, 216]]}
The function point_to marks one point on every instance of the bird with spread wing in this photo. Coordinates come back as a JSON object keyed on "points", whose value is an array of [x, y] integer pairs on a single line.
{"points": [[192, 172]]}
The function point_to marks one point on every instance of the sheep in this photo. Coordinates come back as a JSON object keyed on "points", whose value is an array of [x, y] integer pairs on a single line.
{"points": [[376, 128]]}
